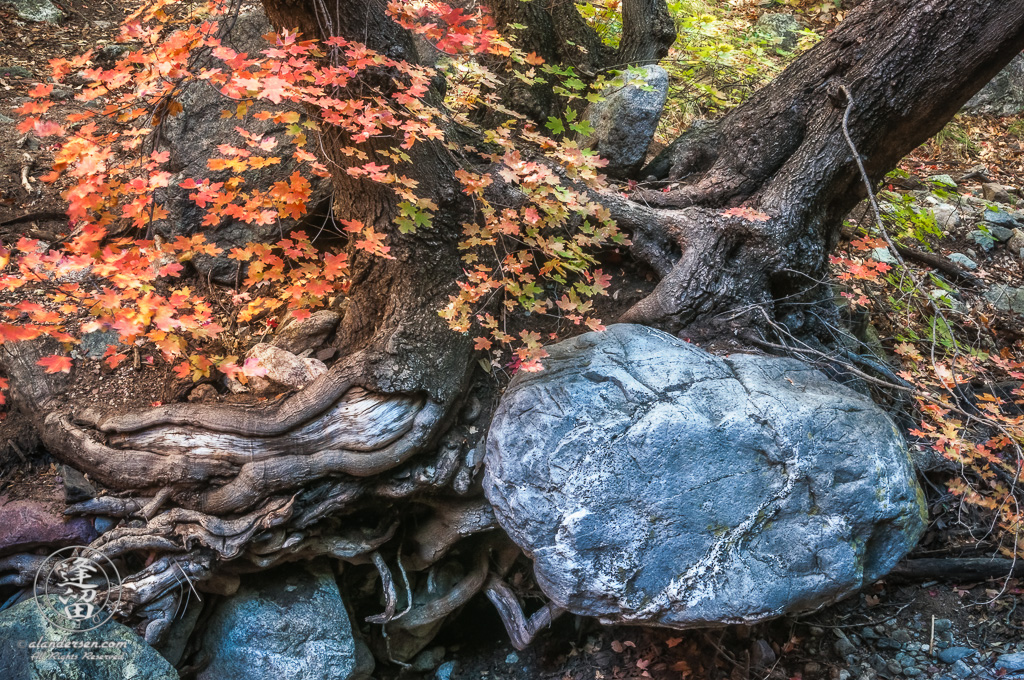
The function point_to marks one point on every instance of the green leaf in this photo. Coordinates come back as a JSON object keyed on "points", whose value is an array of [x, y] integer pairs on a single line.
{"points": [[555, 125]]}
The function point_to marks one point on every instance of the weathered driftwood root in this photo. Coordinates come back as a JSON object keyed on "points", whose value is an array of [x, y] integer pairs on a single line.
{"points": [[218, 471], [521, 630]]}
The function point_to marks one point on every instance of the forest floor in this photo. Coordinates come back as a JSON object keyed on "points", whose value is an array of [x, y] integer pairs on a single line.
{"points": [[891, 630]]}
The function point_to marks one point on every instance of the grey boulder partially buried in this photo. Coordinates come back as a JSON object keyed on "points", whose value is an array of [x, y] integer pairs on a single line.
{"points": [[654, 483]]}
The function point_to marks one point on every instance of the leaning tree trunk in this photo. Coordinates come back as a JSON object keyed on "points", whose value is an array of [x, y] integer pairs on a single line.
{"points": [[909, 66], [393, 429]]}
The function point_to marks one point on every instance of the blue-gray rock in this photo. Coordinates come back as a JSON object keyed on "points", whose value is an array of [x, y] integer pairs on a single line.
{"points": [[943, 180], [126, 656], [912, 671], [961, 670], [37, 11], [625, 121], [654, 483], [782, 29], [999, 218], [95, 343], [512, 658], [1006, 298], [1001, 234], [4, 120], [942, 625], [1011, 662], [963, 261], [445, 670], [954, 654], [286, 623], [982, 240], [883, 255], [1004, 94]]}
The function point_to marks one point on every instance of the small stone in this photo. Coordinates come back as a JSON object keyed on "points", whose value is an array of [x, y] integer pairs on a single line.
{"points": [[963, 261], [946, 216], [844, 675], [204, 392], [925, 648], [868, 633], [982, 240], [901, 636], [912, 671], [326, 354], [512, 658], [817, 631], [444, 671], [14, 71], [961, 670], [1011, 662], [954, 654], [76, 487], [761, 654], [1001, 234], [93, 345], [309, 333], [943, 180], [893, 666], [844, 647], [428, 659], [912, 646], [811, 667], [781, 28], [996, 193], [883, 255], [103, 524]]}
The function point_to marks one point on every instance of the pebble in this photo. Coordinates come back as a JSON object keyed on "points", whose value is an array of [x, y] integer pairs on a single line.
{"points": [[944, 180], [844, 647], [963, 261], [512, 658], [912, 671], [901, 635], [868, 633], [982, 240], [954, 654], [103, 524], [1001, 233], [444, 671], [961, 670]]}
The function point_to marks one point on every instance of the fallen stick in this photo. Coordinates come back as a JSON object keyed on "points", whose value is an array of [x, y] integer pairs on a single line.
{"points": [[955, 569]]}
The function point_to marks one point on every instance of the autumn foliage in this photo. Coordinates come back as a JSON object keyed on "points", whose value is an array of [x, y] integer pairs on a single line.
{"points": [[114, 273]]}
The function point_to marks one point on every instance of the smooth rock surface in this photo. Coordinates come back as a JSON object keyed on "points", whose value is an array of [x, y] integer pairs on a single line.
{"points": [[129, 659], [37, 11], [652, 482], [1011, 662], [28, 524], [626, 119], [283, 369], [309, 333], [288, 623]]}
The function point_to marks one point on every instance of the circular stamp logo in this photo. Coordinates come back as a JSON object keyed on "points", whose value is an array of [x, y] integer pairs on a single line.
{"points": [[72, 588]]}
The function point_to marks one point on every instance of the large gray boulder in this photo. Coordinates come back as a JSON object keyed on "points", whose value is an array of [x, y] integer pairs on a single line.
{"points": [[37, 11], [193, 137], [286, 623], [109, 652], [654, 483], [1004, 94], [626, 119]]}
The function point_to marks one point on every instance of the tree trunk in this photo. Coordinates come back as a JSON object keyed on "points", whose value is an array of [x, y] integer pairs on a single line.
{"points": [[909, 67], [391, 435]]}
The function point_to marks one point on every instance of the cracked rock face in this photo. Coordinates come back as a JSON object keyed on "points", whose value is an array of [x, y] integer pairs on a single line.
{"points": [[655, 483]]}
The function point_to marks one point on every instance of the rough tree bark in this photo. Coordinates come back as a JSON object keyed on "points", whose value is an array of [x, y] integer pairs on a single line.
{"points": [[393, 430]]}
